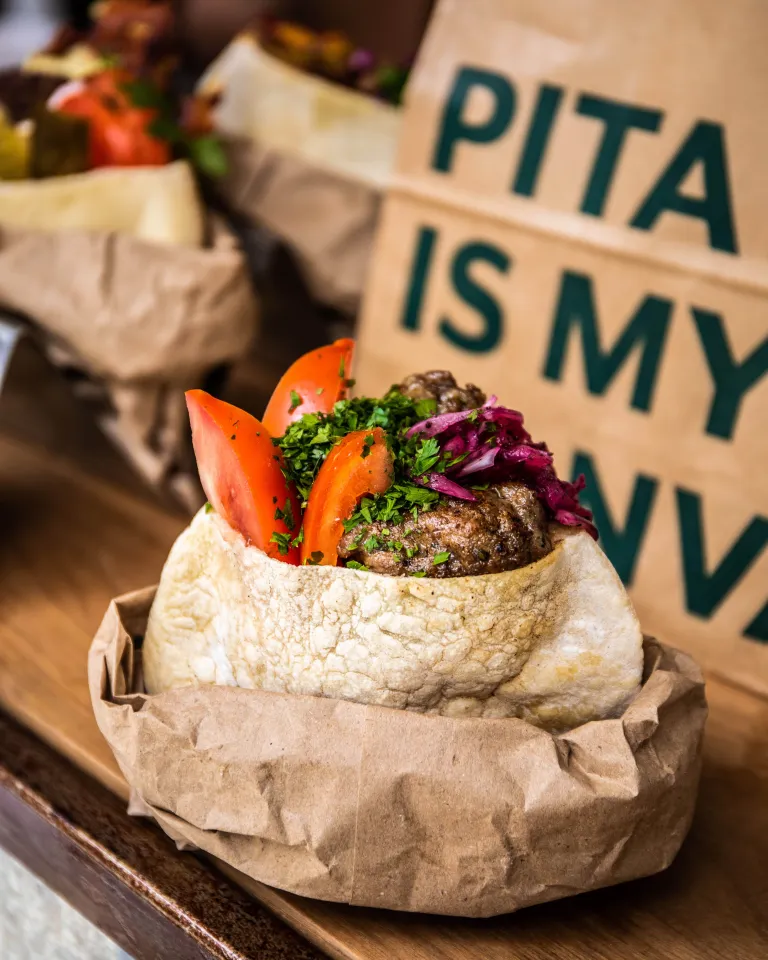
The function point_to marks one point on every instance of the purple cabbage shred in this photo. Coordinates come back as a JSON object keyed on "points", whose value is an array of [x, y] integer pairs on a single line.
{"points": [[490, 445]]}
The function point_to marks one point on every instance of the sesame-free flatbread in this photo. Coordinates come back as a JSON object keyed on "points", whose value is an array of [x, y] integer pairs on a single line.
{"points": [[556, 642]]}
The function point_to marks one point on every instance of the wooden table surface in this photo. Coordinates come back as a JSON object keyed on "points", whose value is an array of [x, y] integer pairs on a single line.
{"points": [[70, 540]]}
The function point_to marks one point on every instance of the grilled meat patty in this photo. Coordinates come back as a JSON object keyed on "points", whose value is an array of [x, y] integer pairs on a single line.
{"points": [[506, 528], [442, 386]]}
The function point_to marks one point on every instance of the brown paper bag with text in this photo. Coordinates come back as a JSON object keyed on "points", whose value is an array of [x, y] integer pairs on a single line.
{"points": [[578, 222]]}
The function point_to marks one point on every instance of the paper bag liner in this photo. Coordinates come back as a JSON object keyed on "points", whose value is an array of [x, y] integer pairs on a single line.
{"points": [[144, 321], [380, 807], [327, 219], [128, 309]]}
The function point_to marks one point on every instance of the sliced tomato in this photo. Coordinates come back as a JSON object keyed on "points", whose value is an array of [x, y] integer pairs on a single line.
{"points": [[359, 464], [310, 385], [118, 131], [240, 471]]}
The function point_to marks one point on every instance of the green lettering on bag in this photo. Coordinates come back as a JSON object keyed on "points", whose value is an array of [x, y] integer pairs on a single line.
{"points": [[704, 592], [422, 260], [542, 121], [618, 119], [646, 332], [454, 128], [732, 380], [706, 145], [758, 628], [477, 297], [621, 543]]}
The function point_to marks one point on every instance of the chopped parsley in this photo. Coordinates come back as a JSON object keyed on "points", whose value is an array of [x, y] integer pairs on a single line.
{"points": [[441, 557], [283, 541], [354, 565], [314, 558], [309, 440], [320, 390], [425, 407], [342, 370], [208, 508], [419, 573], [427, 455], [367, 444], [286, 515], [299, 538], [296, 401]]}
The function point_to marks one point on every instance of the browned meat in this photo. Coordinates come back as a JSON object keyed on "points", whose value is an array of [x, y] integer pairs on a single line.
{"points": [[505, 529], [442, 385]]}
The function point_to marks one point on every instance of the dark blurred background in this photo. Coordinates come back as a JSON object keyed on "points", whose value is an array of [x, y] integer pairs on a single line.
{"points": [[391, 29]]}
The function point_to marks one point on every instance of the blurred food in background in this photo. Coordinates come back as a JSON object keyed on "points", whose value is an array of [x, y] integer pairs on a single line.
{"points": [[391, 31], [105, 97], [108, 253], [331, 54], [310, 124]]}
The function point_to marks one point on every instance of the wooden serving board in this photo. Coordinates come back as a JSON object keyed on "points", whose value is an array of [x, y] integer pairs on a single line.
{"points": [[69, 542]]}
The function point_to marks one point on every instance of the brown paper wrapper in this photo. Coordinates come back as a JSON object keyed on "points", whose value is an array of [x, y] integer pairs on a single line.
{"points": [[384, 808], [145, 321], [326, 219]]}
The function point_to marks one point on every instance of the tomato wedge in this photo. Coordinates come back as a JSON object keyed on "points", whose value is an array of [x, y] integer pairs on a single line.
{"points": [[240, 471], [347, 474], [310, 385], [118, 131]]}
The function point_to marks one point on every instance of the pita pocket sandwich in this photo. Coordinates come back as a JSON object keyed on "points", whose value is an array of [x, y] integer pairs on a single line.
{"points": [[415, 551]]}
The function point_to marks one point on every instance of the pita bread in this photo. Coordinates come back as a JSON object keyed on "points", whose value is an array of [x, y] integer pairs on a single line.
{"points": [[556, 643], [277, 106], [157, 204]]}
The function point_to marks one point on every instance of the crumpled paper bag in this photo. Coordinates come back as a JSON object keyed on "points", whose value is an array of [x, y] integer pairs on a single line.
{"points": [[308, 158], [145, 321], [326, 219], [379, 807]]}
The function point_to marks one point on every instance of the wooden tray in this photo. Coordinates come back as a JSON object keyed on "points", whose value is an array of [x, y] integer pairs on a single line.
{"points": [[69, 542]]}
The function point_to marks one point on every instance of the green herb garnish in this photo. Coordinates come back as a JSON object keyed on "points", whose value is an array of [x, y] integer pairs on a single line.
{"points": [[314, 558], [286, 515], [427, 456], [367, 444], [441, 557], [283, 541], [209, 508], [354, 565], [296, 401], [309, 440], [426, 407]]}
